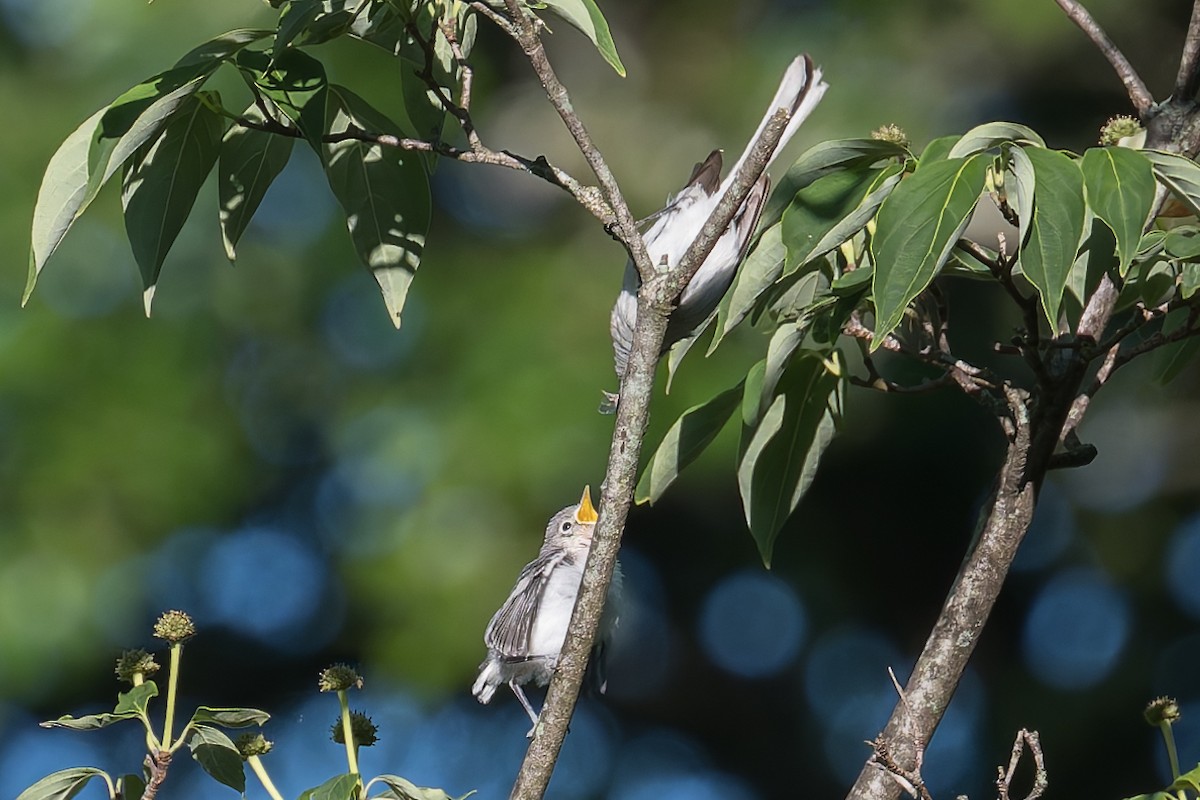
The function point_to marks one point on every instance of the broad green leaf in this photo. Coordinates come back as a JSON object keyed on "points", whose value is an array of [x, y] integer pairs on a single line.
{"points": [[222, 48], [1019, 189], [1189, 280], [780, 455], [61, 785], [822, 159], [1183, 243], [1173, 358], [1120, 191], [815, 222], [218, 755], [784, 342], [938, 149], [385, 194], [293, 22], [402, 789], [1179, 174], [684, 442], [339, 787], [681, 348], [916, 229], [993, 134], [1157, 283], [827, 214], [1049, 246], [131, 786], [250, 160], [1188, 781], [794, 297], [762, 267], [161, 183], [137, 699], [230, 717], [295, 82], [585, 15]]}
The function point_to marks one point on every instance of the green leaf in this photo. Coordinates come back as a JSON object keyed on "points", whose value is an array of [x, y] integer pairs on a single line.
{"points": [[780, 455], [1049, 247], [295, 82], [938, 149], [1173, 358], [91, 722], [916, 229], [1188, 781], [221, 48], [62, 785], [401, 789], [137, 699], [161, 183], [1183, 243], [385, 194], [131, 786], [822, 159], [250, 160], [762, 267], [293, 22], [830, 210], [1120, 191], [230, 717], [684, 442], [339, 787], [1179, 174], [794, 297], [1189, 280], [585, 15], [218, 756], [1097, 256], [993, 134]]}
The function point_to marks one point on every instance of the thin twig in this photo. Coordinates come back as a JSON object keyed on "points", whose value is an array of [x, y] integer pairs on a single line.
{"points": [[1040, 780], [1187, 82], [1139, 95]]}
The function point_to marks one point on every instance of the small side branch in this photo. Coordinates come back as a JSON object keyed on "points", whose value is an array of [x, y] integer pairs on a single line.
{"points": [[1187, 82], [1139, 95], [1024, 739]]}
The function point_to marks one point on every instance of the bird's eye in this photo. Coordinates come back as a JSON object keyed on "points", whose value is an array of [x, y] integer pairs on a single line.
{"points": [[566, 527]]}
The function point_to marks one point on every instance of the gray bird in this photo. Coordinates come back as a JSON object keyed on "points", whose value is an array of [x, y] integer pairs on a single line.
{"points": [[526, 636], [680, 221]]}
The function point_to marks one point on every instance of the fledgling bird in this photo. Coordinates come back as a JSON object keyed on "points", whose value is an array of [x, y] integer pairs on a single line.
{"points": [[680, 221], [526, 636]]}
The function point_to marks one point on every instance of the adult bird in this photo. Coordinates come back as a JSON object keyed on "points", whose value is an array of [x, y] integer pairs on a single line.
{"points": [[680, 221], [526, 636]]}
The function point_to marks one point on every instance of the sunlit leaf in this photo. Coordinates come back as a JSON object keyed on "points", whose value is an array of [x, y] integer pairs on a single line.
{"points": [[762, 267], [90, 722], [993, 134], [1049, 247], [339, 787], [684, 442], [250, 161], [1183, 243], [384, 192], [61, 785], [230, 717], [295, 83], [1179, 174], [1120, 191], [402, 789], [938, 149], [779, 456], [218, 755], [816, 221], [916, 228], [585, 15], [161, 183], [1097, 256], [137, 699]]}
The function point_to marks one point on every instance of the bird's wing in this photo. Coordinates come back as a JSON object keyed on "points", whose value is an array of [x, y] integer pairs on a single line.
{"points": [[508, 632]]}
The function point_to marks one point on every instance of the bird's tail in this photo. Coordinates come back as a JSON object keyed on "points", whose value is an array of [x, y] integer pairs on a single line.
{"points": [[798, 93], [487, 682]]}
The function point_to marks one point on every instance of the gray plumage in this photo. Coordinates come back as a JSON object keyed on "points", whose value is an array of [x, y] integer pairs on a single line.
{"points": [[525, 637], [680, 221]]}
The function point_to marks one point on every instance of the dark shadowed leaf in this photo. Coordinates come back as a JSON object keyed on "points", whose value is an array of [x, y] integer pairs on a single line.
{"points": [[1097, 255], [993, 134], [250, 160], [1183, 243], [779, 455], [295, 83], [293, 22], [916, 229], [161, 182], [230, 717], [938, 149], [1173, 358], [1120, 191], [585, 15], [685, 441], [384, 192], [1056, 227], [822, 159], [830, 210], [758, 272], [218, 755], [61, 785], [132, 786], [339, 787]]}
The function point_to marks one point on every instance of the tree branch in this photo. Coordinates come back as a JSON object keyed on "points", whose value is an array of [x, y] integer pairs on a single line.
{"points": [[1187, 82], [1139, 95]]}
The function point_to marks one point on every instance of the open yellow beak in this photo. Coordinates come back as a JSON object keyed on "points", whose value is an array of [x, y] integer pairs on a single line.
{"points": [[586, 512]]}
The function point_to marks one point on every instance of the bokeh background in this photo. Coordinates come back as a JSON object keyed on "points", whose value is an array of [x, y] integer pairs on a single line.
{"points": [[270, 455]]}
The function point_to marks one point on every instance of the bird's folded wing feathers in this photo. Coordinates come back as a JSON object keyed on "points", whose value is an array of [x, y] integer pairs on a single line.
{"points": [[509, 631]]}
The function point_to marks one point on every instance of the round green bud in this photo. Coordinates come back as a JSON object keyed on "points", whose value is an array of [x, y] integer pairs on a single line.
{"points": [[253, 744], [362, 729], [1118, 128]]}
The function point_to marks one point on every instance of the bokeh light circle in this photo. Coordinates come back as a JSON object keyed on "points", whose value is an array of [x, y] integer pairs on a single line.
{"points": [[752, 624]]}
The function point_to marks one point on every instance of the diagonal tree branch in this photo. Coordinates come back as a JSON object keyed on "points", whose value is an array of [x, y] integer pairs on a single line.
{"points": [[1187, 82], [1139, 95]]}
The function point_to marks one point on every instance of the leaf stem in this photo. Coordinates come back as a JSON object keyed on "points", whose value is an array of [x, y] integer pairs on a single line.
{"points": [[348, 734], [261, 772], [172, 690]]}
